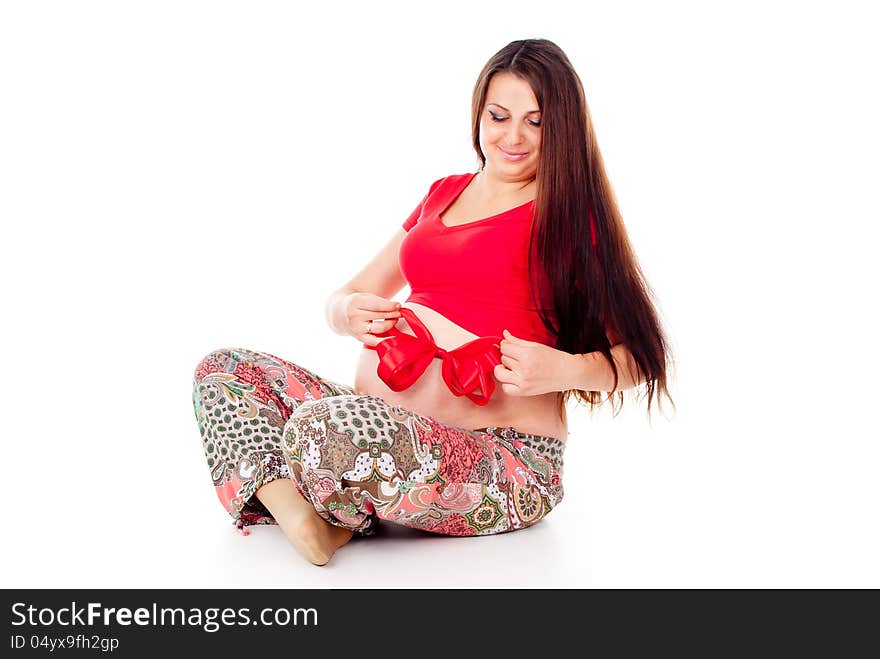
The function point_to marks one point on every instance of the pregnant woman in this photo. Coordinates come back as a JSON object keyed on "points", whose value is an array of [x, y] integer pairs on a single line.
{"points": [[525, 292]]}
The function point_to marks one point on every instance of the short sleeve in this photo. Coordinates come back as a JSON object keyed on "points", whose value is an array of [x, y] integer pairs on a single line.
{"points": [[414, 217]]}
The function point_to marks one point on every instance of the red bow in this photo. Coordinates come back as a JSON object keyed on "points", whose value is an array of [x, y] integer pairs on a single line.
{"points": [[403, 358]]}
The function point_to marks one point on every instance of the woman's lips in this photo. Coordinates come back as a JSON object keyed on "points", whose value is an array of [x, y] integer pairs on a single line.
{"points": [[513, 156]]}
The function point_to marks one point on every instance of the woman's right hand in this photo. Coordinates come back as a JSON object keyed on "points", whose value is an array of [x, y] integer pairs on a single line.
{"points": [[366, 315]]}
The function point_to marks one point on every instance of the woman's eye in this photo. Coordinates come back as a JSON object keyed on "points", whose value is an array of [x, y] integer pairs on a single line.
{"points": [[499, 119]]}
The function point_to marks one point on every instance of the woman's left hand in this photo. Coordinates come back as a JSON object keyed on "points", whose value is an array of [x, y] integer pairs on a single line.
{"points": [[529, 368]]}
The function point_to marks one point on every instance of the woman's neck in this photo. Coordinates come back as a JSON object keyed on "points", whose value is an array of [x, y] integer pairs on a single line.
{"points": [[490, 188]]}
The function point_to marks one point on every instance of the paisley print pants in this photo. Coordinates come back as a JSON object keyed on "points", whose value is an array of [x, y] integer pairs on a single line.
{"points": [[359, 459]]}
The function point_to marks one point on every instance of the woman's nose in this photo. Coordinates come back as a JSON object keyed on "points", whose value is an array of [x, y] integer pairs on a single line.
{"points": [[514, 136]]}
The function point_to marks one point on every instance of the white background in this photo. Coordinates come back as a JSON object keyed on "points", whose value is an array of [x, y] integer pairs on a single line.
{"points": [[177, 177]]}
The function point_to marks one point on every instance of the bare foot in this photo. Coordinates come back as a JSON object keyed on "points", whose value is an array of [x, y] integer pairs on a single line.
{"points": [[317, 540], [307, 531]]}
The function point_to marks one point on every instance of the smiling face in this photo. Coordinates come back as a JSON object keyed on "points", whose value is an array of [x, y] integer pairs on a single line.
{"points": [[510, 128]]}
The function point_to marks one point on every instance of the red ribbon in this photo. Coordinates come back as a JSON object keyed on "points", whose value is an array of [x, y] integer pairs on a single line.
{"points": [[467, 370]]}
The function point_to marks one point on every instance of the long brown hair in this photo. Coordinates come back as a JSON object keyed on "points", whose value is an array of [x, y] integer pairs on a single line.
{"points": [[586, 289]]}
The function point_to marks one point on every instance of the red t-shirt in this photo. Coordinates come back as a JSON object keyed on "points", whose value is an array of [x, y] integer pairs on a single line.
{"points": [[474, 274]]}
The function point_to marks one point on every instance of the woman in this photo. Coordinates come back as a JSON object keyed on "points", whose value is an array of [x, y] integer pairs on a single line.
{"points": [[525, 292]]}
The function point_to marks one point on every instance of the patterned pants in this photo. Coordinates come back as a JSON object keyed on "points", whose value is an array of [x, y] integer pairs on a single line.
{"points": [[358, 459]]}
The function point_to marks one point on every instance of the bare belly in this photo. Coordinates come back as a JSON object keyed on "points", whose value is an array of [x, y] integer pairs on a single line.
{"points": [[430, 396]]}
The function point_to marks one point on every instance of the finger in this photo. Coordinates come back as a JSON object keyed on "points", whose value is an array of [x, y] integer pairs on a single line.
{"points": [[510, 349], [502, 374], [369, 339], [372, 339], [381, 304], [378, 318], [380, 326], [510, 337], [510, 389], [376, 305], [516, 340], [508, 361], [370, 314], [384, 320]]}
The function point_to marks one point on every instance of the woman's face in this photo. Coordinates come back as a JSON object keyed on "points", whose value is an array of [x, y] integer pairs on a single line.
{"points": [[510, 126]]}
